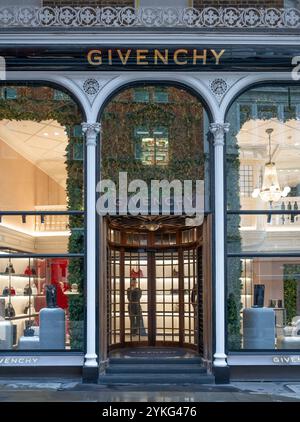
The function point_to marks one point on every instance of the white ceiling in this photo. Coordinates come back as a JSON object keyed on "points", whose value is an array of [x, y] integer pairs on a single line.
{"points": [[43, 144], [285, 142]]}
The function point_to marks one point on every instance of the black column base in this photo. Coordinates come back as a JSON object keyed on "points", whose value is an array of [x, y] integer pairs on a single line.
{"points": [[90, 374], [222, 374]]}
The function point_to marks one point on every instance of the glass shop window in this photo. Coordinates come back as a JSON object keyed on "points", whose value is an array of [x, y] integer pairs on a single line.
{"points": [[263, 180], [155, 95], [246, 180], [135, 238], [114, 235], [8, 93], [152, 146], [189, 236], [42, 172], [165, 238], [264, 303], [39, 303]]}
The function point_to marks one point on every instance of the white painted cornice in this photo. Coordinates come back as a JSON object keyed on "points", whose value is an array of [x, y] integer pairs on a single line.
{"points": [[141, 37]]}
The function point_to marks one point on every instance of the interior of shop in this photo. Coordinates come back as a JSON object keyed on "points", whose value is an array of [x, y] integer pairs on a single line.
{"points": [[35, 173], [154, 282], [264, 141]]}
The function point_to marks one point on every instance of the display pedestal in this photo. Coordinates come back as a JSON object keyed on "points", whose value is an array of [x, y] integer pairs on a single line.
{"points": [[259, 328], [6, 335], [29, 343], [52, 328], [288, 342]]}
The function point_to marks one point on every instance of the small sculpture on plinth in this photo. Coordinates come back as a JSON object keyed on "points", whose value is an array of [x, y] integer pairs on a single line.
{"points": [[51, 297]]}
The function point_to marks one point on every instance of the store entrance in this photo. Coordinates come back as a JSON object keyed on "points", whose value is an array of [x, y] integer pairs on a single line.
{"points": [[155, 286]]}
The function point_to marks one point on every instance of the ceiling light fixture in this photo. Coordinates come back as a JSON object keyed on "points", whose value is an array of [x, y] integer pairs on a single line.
{"points": [[152, 227], [270, 190]]}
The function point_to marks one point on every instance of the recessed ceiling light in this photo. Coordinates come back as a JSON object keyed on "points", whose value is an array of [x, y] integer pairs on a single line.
{"points": [[46, 134], [56, 133], [296, 144]]}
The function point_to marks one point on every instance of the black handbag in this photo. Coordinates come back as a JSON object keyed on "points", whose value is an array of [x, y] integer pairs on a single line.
{"points": [[15, 332], [27, 291], [5, 291], [28, 330], [10, 311], [9, 269]]}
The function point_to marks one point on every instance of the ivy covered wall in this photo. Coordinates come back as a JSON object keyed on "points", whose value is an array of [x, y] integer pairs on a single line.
{"points": [[233, 234], [181, 114], [291, 281]]}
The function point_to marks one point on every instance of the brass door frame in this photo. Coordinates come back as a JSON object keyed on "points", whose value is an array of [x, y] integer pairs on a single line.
{"points": [[207, 287]]}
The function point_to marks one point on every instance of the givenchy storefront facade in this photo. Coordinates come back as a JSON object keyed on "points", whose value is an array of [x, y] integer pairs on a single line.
{"points": [[77, 288]]}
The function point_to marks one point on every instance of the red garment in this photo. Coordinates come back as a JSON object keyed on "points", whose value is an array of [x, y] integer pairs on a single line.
{"points": [[136, 274], [62, 299], [58, 272], [28, 271]]}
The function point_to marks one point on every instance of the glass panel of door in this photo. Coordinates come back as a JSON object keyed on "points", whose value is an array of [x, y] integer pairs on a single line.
{"points": [[135, 293], [168, 295], [152, 297]]}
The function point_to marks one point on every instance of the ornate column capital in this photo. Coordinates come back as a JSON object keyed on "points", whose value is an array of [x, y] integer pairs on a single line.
{"points": [[219, 130], [91, 130]]}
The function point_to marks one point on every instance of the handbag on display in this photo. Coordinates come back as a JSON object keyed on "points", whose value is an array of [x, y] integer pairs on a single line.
{"points": [[259, 295], [27, 290], [15, 332], [29, 271], [9, 269], [136, 274], [9, 311], [28, 330], [8, 291], [5, 291]]}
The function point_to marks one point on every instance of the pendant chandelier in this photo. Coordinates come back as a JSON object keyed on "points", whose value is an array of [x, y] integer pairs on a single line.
{"points": [[270, 190]]}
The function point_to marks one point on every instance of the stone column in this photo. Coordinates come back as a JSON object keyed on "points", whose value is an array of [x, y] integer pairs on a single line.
{"points": [[218, 130], [91, 131]]}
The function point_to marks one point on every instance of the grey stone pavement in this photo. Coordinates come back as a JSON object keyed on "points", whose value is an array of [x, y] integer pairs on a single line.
{"points": [[53, 390]]}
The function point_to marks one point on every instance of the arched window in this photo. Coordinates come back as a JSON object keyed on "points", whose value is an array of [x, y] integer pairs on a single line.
{"points": [[155, 132], [263, 222], [41, 219]]}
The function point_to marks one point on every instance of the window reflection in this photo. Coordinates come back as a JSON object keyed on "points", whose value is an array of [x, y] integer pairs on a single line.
{"points": [[270, 303], [263, 181]]}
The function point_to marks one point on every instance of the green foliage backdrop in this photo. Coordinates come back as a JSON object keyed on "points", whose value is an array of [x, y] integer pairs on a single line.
{"points": [[234, 286], [290, 287], [182, 115]]}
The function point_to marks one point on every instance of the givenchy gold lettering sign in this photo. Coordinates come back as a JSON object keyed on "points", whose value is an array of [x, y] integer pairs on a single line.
{"points": [[144, 57], [16, 360]]}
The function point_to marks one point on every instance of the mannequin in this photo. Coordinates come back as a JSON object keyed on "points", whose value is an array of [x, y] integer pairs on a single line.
{"points": [[51, 296]]}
